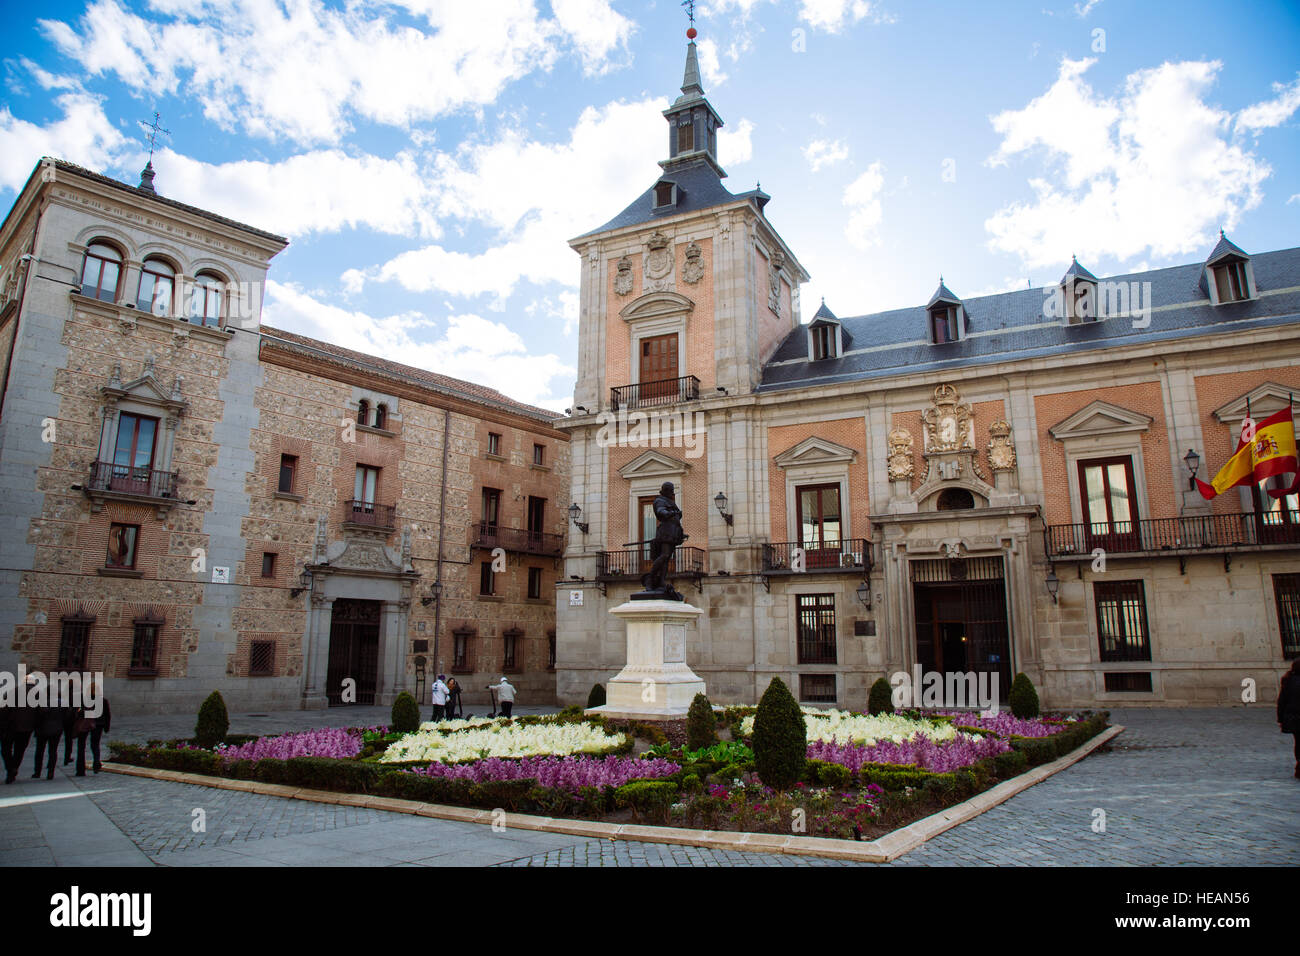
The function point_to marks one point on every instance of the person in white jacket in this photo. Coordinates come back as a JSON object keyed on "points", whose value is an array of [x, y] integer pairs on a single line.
{"points": [[505, 694], [440, 694]]}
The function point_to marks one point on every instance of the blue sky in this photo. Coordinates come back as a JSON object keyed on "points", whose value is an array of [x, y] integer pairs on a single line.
{"points": [[429, 160]]}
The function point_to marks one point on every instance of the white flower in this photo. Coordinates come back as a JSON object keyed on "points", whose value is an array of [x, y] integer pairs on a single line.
{"points": [[501, 740], [845, 727]]}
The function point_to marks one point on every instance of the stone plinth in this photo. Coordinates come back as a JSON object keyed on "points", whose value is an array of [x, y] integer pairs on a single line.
{"points": [[655, 683]]}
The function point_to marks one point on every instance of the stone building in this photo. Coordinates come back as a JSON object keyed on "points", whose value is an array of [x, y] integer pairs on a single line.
{"points": [[996, 484], [196, 502]]}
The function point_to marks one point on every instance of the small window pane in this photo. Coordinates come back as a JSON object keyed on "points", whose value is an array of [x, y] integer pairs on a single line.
{"points": [[268, 565], [539, 454], [121, 545], [534, 582], [486, 579], [288, 466]]}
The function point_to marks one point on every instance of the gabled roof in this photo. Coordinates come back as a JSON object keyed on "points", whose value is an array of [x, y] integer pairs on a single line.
{"points": [[823, 314], [942, 294], [1077, 271], [1223, 248]]}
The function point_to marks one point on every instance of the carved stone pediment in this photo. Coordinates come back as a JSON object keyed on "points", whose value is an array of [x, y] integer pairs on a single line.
{"points": [[364, 554], [1263, 400], [814, 451], [653, 464], [1100, 418]]}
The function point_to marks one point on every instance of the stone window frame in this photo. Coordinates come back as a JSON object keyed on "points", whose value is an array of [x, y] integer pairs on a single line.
{"points": [[1264, 400], [77, 621], [655, 314], [465, 635], [1212, 279], [174, 278], [643, 476], [834, 341], [512, 650], [1154, 639], [1103, 430], [830, 467], [373, 400], [144, 397], [157, 623]]}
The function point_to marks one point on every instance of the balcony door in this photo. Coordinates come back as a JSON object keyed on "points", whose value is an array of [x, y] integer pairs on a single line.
{"points": [[1110, 514], [536, 520], [820, 524], [658, 379], [1279, 521], [133, 453]]}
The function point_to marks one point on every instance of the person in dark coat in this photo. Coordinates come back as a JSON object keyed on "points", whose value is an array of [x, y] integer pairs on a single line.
{"points": [[454, 708], [1288, 708], [94, 728], [16, 725], [49, 727], [70, 717]]}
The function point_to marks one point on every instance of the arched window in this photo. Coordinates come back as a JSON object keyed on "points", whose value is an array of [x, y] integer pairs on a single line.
{"points": [[157, 282], [363, 412], [381, 416], [955, 499], [205, 301], [101, 271]]}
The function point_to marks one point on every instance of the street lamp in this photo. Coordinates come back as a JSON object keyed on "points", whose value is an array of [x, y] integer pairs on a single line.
{"points": [[435, 592], [304, 579], [1193, 462], [575, 513], [1053, 584], [721, 501], [864, 594]]}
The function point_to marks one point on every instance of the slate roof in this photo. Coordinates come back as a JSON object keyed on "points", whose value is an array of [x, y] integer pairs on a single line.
{"points": [[152, 196], [418, 376], [942, 294], [698, 187], [1077, 271], [1225, 247], [894, 342]]}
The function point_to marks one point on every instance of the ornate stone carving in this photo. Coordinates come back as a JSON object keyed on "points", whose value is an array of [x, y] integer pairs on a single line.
{"points": [[406, 549], [623, 278], [1002, 449], [774, 267], [693, 270], [901, 465], [322, 540], [947, 422], [365, 554], [659, 258]]}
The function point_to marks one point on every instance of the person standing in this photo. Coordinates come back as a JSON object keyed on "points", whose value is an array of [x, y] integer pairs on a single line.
{"points": [[1288, 708], [439, 695], [94, 728], [505, 694], [454, 708], [49, 727], [16, 725]]}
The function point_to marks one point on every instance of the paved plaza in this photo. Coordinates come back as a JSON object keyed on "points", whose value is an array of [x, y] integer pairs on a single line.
{"points": [[1178, 787]]}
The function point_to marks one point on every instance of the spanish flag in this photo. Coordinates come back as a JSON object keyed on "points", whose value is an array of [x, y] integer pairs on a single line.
{"points": [[1272, 451]]}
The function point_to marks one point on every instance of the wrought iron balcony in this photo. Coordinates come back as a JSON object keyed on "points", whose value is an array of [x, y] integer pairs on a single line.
{"points": [[1191, 534], [367, 514], [670, 391], [127, 480], [631, 563], [849, 556], [519, 540]]}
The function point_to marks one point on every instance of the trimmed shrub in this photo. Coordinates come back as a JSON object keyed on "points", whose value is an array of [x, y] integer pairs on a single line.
{"points": [[893, 777], [1010, 764], [653, 798], [780, 737], [823, 773], [881, 698], [406, 714], [728, 773], [701, 725], [213, 721], [597, 696], [691, 783], [1023, 698]]}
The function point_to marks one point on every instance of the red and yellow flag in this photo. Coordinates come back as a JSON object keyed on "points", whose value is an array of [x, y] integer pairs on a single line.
{"points": [[1271, 451]]}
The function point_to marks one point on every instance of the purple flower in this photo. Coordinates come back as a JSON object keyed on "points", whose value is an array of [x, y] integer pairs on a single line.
{"points": [[558, 773], [330, 742], [919, 751]]}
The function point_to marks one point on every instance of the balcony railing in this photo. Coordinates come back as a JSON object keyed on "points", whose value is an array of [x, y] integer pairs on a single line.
{"points": [[851, 555], [1184, 535], [519, 540], [631, 563], [127, 480], [670, 391], [369, 515]]}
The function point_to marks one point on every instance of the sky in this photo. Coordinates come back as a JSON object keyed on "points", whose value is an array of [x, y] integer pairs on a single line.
{"points": [[429, 160]]}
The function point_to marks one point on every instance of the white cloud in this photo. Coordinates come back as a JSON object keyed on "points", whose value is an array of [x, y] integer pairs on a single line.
{"points": [[736, 145], [470, 348], [862, 197], [709, 66], [1295, 198], [834, 15], [1148, 172], [83, 136], [1083, 9], [297, 69], [1272, 112], [823, 152]]}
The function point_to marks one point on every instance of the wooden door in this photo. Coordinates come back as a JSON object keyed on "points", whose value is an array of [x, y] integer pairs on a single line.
{"points": [[658, 369], [354, 650]]}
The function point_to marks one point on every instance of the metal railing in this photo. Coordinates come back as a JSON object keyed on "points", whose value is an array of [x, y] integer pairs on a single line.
{"points": [[849, 555], [369, 514], [1185, 534], [634, 562], [125, 479], [669, 391], [518, 540]]}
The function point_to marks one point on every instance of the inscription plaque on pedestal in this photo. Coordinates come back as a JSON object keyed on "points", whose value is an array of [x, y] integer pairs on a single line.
{"points": [[674, 644]]}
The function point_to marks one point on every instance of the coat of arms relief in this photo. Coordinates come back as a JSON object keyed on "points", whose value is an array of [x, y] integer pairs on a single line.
{"points": [[658, 264], [623, 277], [693, 270], [902, 467], [950, 436]]}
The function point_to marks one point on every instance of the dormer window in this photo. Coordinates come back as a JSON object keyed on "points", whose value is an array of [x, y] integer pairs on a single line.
{"points": [[823, 342], [1079, 292], [1231, 282], [943, 324], [825, 335], [665, 194]]}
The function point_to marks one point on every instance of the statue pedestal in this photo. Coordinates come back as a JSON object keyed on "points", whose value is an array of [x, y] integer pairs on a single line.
{"points": [[655, 684]]}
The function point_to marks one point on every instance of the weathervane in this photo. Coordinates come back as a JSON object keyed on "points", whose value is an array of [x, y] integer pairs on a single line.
{"points": [[690, 15], [154, 129]]}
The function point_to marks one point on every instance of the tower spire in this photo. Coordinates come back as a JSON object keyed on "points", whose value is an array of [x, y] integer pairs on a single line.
{"points": [[693, 123]]}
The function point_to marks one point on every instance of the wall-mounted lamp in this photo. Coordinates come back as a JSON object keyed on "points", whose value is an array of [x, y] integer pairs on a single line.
{"points": [[581, 408], [304, 579], [435, 593], [575, 513], [576, 577], [1053, 584], [1193, 462], [722, 390], [721, 501], [864, 594]]}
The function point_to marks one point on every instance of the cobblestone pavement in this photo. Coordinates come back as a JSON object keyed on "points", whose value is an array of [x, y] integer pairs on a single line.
{"points": [[1178, 787]]}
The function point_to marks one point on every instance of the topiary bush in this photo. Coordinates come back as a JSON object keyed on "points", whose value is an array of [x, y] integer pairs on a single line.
{"points": [[213, 721], [780, 738], [406, 714], [881, 698], [701, 725], [597, 696], [1023, 698], [649, 797]]}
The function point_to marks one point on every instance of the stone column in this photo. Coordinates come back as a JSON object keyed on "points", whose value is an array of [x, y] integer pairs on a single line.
{"points": [[316, 652], [392, 651]]}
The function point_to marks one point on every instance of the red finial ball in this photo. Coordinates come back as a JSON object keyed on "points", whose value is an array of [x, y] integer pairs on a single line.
{"points": [[691, 34]]}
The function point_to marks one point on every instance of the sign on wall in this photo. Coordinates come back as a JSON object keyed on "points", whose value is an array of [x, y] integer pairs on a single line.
{"points": [[221, 575], [575, 599]]}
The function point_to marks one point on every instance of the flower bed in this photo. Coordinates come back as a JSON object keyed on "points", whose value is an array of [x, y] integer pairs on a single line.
{"points": [[920, 751], [331, 742], [509, 739], [848, 727], [559, 773]]}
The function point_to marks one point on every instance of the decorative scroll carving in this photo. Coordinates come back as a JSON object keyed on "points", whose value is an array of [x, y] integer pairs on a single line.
{"points": [[947, 422], [902, 467]]}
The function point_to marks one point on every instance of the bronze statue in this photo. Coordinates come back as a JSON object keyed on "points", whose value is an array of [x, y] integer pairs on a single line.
{"points": [[668, 537]]}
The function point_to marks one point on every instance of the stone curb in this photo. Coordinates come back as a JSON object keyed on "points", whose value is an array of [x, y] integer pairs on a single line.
{"points": [[889, 847]]}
